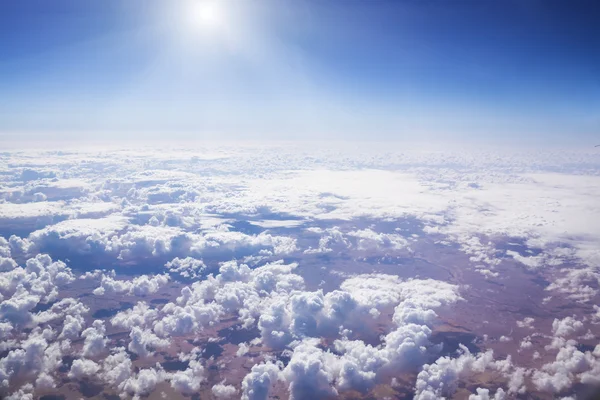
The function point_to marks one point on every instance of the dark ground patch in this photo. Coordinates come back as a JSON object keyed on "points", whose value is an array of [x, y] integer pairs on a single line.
{"points": [[110, 312]]}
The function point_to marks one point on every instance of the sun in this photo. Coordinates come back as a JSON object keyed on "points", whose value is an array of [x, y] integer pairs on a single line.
{"points": [[206, 14]]}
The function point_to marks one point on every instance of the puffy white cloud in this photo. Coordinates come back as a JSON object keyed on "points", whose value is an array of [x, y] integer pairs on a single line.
{"points": [[4, 248], [243, 349], [132, 205], [190, 379], [592, 376], [72, 326], [188, 267], [35, 357], [144, 381], [516, 383], [526, 343], [140, 315], [95, 339], [7, 264], [24, 393], [441, 378], [41, 278], [179, 320], [570, 365], [113, 235], [138, 286], [309, 372], [17, 308], [222, 391], [32, 214], [566, 326], [5, 330], [329, 238], [367, 239], [531, 262], [484, 394], [83, 368], [236, 289], [358, 367], [19, 245], [527, 322], [62, 310], [81, 236], [577, 284], [355, 365], [22, 289], [143, 341], [117, 367], [256, 385]]}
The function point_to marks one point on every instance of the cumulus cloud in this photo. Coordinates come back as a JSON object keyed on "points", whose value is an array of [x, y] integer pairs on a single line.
{"points": [[484, 394], [367, 239], [257, 384], [36, 359], [143, 382], [307, 316], [117, 367], [569, 366], [441, 378], [140, 315], [21, 289], [188, 267], [527, 322], [143, 341], [70, 311], [190, 379], [82, 368], [566, 326], [95, 339], [222, 391], [144, 205], [138, 286], [114, 236]]}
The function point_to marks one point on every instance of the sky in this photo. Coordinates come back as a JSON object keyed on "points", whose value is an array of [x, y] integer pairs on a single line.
{"points": [[469, 70]]}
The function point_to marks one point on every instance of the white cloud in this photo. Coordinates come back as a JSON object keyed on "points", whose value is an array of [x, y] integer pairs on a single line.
{"points": [[117, 367], [527, 322], [95, 339], [83, 368], [143, 341], [188, 267], [190, 379], [7, 264], [441, 378], [138, 286], [256, 385], [484, 394], [367, 239], [222, 391], [21, 289], [131, 205], [143, 382], [35, 358], [310, 372], [566, 326], [560, 374], [140, 315]]}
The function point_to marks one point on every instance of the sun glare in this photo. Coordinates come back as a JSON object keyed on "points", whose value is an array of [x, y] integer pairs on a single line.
{"points": [[206, 14]]}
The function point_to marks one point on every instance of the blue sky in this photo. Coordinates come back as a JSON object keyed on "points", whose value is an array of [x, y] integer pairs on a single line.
{"points": [[476, 70]]}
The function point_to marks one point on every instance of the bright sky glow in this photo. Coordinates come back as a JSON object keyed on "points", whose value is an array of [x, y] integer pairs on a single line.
{"points": [[207, 14], [267, 69]]}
